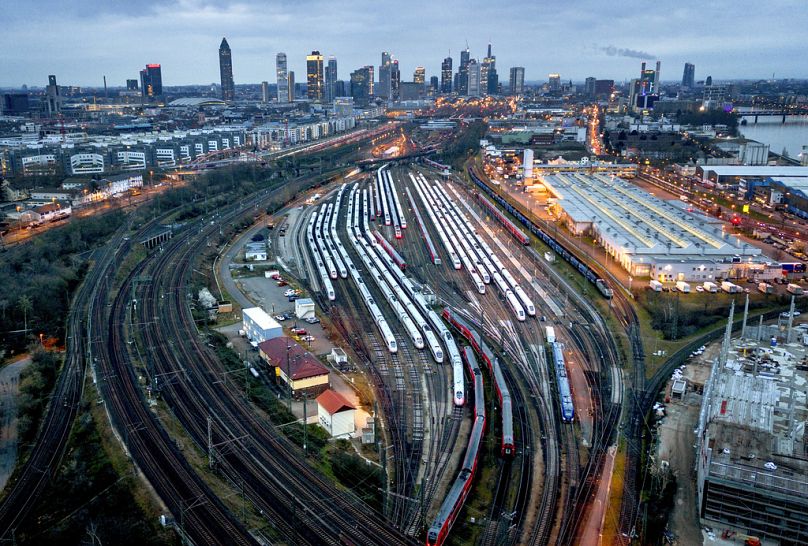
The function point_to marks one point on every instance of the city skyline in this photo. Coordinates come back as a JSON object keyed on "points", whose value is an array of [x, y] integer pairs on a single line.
{"points": [[591, 42]]}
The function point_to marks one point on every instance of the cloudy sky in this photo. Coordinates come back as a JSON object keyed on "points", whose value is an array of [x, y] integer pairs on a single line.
{"points": [[80, 41]]}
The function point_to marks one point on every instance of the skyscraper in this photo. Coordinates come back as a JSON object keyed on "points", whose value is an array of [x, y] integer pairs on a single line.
{"points": [[314, 76], [462, 86], [264, 91], [291, 96], [395, 80], [689, 76], [226, 71], [589, 87], [330, 79], [53, 96], [554, 82], [446, 75], [151, 81], [131, 85], [282, 78], [434, 85], [473, 78], [488, 65], [362, 84], [385, 70], [419, 76], [517, 80]]}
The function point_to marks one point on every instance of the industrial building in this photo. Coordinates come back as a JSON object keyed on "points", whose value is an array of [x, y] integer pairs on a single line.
{"points": [[336, 414], [258, 326], [646, 235], [731, 175], [752, 458], [295, 366]]}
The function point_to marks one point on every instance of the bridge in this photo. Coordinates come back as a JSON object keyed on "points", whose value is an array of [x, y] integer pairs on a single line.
{"points": [[782, 114]]}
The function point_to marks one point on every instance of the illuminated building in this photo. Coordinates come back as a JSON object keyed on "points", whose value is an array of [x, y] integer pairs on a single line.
{"points": [[395, 80], [446, 75], [151, 81], [462, 83], [554, 82], [314, 77], [419, 76], [486, 68], [385, 70], [226, 71]]}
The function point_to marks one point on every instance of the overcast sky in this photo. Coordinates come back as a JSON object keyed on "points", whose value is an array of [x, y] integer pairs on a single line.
{"points": [[81, 41]]}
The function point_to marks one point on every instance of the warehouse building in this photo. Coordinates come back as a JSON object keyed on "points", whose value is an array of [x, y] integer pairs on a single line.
{"points": [[295, 366], [752, 458], [258, 326], [730, 175], [336, 414], [648, 236]]}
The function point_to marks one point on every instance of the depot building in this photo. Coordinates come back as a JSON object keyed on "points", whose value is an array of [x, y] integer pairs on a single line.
{"points": [[649, 236]]}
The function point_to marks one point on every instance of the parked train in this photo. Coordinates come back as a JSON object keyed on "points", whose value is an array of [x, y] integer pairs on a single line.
{"points": [[392, 252], [507, 445], [328, 286], [433, 253], [561, 250], [562, 381], [453, 503]]}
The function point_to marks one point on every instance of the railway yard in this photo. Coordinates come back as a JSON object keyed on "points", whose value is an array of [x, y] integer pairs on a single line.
{"points": [[497, 386]]}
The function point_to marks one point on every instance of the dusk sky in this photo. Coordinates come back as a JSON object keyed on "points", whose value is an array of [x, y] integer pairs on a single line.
{"points": [[81, 41]]}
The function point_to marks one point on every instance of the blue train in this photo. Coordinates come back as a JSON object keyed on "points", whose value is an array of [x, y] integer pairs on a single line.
{"points": [[550, 241], [564, 393]]}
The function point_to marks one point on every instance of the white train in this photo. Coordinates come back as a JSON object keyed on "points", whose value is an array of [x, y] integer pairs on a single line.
{"points": [[328, 286], [430, 207], [382, 196], [318, 237], [519, 301], [331, 234], [397, 202], [370, 304]]}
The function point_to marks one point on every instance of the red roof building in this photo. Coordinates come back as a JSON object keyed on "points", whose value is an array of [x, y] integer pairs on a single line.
{"points": [[336, 414], [290, 360]]}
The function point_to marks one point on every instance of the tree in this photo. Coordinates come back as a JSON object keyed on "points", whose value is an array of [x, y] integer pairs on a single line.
{"points": [[24, 303]]}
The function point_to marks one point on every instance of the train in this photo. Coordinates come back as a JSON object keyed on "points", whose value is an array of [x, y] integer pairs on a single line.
{"points": [[381, 323], [433, 253], [430, 209], [600, 284], [507, 444], [459, 491], [394, 255], [562, 381], [328, 286]]}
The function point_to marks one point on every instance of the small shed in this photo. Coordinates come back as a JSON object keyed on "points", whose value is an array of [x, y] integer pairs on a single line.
{"points": [[338, 356], [255, 252], [336, 414], [304, 308]]}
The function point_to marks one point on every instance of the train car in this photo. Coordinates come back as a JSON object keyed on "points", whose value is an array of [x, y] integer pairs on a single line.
{"points": [[563, 383], [507, 443], [433, 253], [396, 257], [588, 273], [454, 500], [457, 369], [518, 234]]}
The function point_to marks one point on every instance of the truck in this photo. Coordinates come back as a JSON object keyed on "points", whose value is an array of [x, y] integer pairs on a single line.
{"points": [[795, 289], [549, 333], [730, 288], [683, 287], [710, 287], [765, 288], [655, 285]]}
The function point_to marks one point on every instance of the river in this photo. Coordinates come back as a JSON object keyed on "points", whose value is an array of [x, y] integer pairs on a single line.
{"points": [[791, 135]]}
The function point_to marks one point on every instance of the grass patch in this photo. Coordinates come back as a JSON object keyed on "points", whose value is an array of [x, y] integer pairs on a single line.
{"points": [[611, 523]]}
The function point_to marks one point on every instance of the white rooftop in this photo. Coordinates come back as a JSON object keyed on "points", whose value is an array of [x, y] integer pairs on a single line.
{"points": [[756, 170], [261, 318]]}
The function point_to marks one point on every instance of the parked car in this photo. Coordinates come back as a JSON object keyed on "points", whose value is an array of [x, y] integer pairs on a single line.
{"points": [[312, 320], [289, 292], [299, 331], [699, 289], [279, 318], [308, 338], [282, 283]]}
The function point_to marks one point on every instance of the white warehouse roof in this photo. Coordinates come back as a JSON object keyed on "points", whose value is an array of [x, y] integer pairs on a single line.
{"points": [[261, 318], [629, 218]]}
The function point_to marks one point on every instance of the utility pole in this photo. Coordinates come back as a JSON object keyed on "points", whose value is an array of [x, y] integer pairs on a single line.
{"points": [[305, 424]]}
